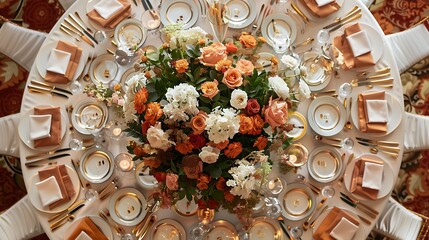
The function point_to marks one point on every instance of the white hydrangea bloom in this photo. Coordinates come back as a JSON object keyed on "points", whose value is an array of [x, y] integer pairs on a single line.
{"points": [[182, 102], [279, 86], [289, 61], [180, 39], [238, 99], [222, 125]]}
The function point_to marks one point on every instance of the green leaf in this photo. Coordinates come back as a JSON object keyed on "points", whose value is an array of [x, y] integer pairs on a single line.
{"points": [[190, 76], [205, 109], [218, 104], [215, 172], [201, 80], [205, 99], [222, 87], [216, 98], [153, 56], [213, 74], [173, 166], [217, 195]]}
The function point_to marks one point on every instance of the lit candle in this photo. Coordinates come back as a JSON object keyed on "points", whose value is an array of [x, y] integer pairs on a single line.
{"points": [[125, 162], [116, 132]]}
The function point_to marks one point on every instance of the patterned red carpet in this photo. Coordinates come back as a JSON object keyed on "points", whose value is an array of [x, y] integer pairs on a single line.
{"points": [[393, 16]]}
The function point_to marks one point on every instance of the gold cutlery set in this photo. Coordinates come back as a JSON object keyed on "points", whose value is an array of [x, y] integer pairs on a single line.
{"points": [[74, 25], [44, 159], [41, 87]]}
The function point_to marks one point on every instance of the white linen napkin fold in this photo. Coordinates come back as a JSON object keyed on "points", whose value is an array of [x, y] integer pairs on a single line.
{"points": [[359, 42], [376, 111], [83, 236], [321, 3], [344, 230], [58, 61], [106, 8], [40, 126], [372, 175], [49, 191]]}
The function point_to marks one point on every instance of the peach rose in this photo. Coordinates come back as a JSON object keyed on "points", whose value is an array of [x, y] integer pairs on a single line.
{"points": [[181, 65], [171, 181], [210, 89], [198, 122], [184, 147], [245, 66], [232, 78], [212, 54], [223, 65], [252, 107], [153, 112], [140, 100], [233, 150], [192, 166], [246, 124], [248, 41], [231, 47], [276, 112], [260, 143]]}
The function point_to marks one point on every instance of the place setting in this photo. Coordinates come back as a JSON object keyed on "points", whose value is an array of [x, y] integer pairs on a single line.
{"points": [[179, 11]]}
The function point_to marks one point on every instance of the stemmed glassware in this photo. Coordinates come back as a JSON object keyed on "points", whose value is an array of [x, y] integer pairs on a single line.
{"points": [[205, 216], [217, 14]]}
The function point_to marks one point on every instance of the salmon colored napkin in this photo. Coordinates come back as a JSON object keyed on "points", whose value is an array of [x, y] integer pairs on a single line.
{"points": [[88, 226], [321, 11], [63, 180], [76, 54], [364, 124], [55, 138], [113, 20], [331, 220], [342, 45], [357, 179]]}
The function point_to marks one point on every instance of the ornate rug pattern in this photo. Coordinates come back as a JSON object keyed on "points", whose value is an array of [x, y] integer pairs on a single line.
{"points": [[412, 188]]}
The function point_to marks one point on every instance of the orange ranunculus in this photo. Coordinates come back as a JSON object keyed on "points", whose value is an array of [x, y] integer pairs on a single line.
{"points": [[275, 112], [201, 41], [232, 78], [198, 122], [203, 182], [184, 147], [228, 196], [212, 54], [248, 41], [151, 162], [221, 184], [138, 151], [258, 124], [231, 47], [147, 74], [153, 112], [260, 143], [246, 124], [210, 89], [140, 100], [181, 65], [223, 65], [233, 150], [220, 145], [192, 166], [117, 87], [145, 126], [143, 58], [245, 66]]}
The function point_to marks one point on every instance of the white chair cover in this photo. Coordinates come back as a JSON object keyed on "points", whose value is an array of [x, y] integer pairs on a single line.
{"points": [[367, 2], [409, 46], [417, 132], [9, 140], [20, 222], [20, 44]]}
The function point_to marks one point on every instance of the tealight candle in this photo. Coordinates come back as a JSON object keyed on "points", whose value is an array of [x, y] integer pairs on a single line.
{"points": [[116, 132], [125, 162]]}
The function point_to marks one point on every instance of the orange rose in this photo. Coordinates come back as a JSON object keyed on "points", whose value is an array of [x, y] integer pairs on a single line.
{"points": [[184, 147], [140, 100], [220, 145], [223, 65], [203, 182], [276, 112], [138, 151], [248, 41], [231, 48], [212, 54], [147, 74], [232, 78], [181, 65], [245, 66], [233, 150], [260, 143], [145, 126], [228, 196], [153, 112], [151, 162], [201, 41], [258, 124], [117, 87], [246, 124], [210, 89], [198, 122], [221, 184]]}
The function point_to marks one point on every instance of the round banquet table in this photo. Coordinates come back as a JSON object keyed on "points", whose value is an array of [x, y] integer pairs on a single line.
{"points": [[31, 100]]}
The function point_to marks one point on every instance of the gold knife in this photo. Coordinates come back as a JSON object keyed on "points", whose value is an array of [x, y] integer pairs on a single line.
{"points": [[46, 153], [51, 86], [71, 35], [78, 33], [69, 209], [83, 30], [44, 90], [300, 13]]}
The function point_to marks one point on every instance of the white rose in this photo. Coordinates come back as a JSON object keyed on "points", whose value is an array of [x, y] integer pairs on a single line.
{"points": [[157, 138], [304, 89], [289, 61], [279, 86], [238, 99], [209, 154]]}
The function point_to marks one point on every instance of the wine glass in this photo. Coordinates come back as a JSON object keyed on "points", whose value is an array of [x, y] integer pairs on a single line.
{"points": [[93, 127], [76, 87], [328, 191], [345, 89], [348, 143], [272, 207], [274, 186], [151, 21], [124, 55], [75, 144], [100, 36], [323, 36], [281, 43], [296, 232], [205, 216]]}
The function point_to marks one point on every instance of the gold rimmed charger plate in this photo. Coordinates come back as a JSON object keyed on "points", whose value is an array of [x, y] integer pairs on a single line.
{"points": [[89, 110], [103, 70], [284, 25], [127, 206], [96, 165], [326, 115], [318, 74], [130, 33], [324, 164], [297, 119], [186, 208], [176, 11], [167, 229], [297, 201], [265, 228], [221, 229], [241, 13]]}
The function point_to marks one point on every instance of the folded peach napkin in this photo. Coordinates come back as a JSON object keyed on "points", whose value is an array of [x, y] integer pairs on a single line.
{"points": [[342, 45], [88, 226], [344, 230], [357, 179], [321, 11], [75, 55], [40, 126], [114, 19], [331, 220], [49, 191], [364, 124], [63, 180], [55, 132]]}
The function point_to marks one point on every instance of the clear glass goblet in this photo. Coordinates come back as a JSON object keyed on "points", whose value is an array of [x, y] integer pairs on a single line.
{"points": [[328, 191], [272, 207], [205, 216], [76, 87], [296, 232], [274, 186], [348, 143], [345, 90], [75, 144], [281, 43], [100, 36]]}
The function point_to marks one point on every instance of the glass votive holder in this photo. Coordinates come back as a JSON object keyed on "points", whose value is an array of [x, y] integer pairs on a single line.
{"points": [[124, 162]]}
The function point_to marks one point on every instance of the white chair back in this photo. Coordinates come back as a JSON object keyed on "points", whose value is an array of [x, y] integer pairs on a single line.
{"points": [[417, 132], [9, 140], [409, 46], [20, 44]]}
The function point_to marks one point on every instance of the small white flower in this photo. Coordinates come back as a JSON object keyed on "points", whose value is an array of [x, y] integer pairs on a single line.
{"points": [[238, 99], [303, 71], [181, 38], [209, 154], [182, 102], [289, 61], [279, 86], [304, 89], [157, 138], [222, 125]]}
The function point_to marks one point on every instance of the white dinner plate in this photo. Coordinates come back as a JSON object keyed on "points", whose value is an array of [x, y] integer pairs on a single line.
{"points": [[265, 228], [127, 206], [45, 53], [388, 180], [86, 111], [90, 6], [33, 192], [130, 33], [326, 115], [318, 76], [24, 129], [265, 60], [241, 13], [167, 229], [144, 178], [324, 164], [97, 165], [297, 201], [221, 229], [103, 70], [186, 208], [176, 11], [102, 225], [394, 114], [284, 25]]}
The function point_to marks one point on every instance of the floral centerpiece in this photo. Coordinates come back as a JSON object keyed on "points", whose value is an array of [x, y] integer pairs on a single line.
{"points": [[204, 115]]}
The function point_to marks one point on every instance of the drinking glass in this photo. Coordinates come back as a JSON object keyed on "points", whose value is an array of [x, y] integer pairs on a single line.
{"points": [[75, 144], [345, 90], [328, 191], [281, 43], [100, 36], [296, 232], [217, 15], [272, 207], [348, 143], [76, 87], [124, 55], [151, 21], [205, 216], [274, 186]]}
